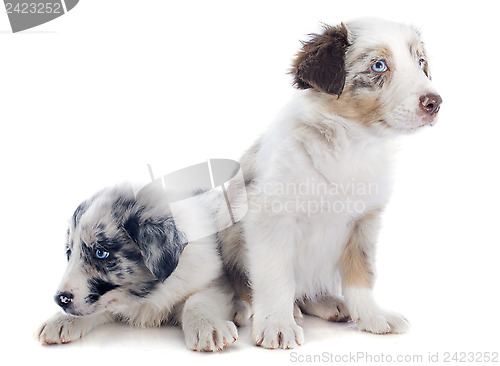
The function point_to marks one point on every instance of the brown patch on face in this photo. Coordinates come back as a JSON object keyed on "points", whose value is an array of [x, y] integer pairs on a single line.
{"points": [[363, 108], [384, 53], [321, 62], [363, 91], [356, 258]]}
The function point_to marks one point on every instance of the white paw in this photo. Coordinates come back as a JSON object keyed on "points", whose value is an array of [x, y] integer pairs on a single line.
{"points": [[383, 322], [277, 335], [209, 335], [60, 329], [369, 316]]}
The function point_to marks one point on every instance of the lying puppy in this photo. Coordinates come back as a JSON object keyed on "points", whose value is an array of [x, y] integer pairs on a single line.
{"points": [[128, 260], [319, 179]]}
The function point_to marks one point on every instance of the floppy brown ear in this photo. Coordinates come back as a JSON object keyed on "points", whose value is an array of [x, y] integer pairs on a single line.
{"points": [[321, 62]]}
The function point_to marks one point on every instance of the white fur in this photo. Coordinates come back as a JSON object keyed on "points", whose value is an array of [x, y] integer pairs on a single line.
{"points": [[293, 247], [369, 316]]}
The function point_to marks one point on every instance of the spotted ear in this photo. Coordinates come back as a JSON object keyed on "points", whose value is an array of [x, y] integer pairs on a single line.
{"points": [[160, 243], [320, 64]]}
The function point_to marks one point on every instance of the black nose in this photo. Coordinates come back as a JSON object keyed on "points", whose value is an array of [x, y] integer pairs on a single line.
{"points": [[63, 299], [430, 103]]}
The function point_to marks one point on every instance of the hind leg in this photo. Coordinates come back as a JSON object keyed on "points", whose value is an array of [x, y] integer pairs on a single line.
{"points": [[331, 308]]}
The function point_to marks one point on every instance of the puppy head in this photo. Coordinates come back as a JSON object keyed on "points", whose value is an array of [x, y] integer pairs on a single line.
{"points": [[119, 248], [370, 71]]}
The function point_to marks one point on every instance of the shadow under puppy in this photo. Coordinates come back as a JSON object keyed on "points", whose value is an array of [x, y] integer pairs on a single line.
{"points": [[128, 260]]}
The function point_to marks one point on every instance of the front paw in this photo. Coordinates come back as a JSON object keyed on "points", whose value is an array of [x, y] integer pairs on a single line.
{"points": [[273, 335], [209, 335], [383, 322], [61, 328]]}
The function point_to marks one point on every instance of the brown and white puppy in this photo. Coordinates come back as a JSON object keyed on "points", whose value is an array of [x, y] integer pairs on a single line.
{"points": [[319, 178]]}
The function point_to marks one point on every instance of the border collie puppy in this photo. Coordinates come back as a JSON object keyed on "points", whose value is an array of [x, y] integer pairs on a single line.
{"points": [[131, 260], [319, 178]]}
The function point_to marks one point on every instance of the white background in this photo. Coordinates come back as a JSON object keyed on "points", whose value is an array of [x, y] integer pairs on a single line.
{"points": [[89, 99]]}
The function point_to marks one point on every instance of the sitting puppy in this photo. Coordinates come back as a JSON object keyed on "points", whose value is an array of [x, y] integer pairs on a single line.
{"points": [[319, 179], [128, 260]]}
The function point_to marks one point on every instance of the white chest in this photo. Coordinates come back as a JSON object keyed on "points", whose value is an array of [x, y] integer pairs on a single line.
{"points": [[342, 185], [326, 195]]}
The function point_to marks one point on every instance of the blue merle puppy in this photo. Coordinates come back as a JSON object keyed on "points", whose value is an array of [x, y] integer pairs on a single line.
{"points": [[128, 260]]}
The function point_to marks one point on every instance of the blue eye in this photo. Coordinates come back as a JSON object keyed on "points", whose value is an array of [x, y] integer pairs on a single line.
{"points": [[379, 66], [421, 63], [101, 254]]}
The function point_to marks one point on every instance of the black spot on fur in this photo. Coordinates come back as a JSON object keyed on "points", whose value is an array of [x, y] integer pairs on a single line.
{"points": [[368, 80], [361, 83], [80, 210], [69, 245], [92, 298], [97, 288], [121, 206], [380, 79], [133, 255], [145, 289], [321, 62], [131, 226], [114, 244]]}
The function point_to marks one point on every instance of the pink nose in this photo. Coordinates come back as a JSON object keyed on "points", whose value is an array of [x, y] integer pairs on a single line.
{"points": [[430, 103]]}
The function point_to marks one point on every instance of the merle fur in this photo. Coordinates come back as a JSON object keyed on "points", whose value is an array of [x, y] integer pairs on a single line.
{"points": [[159, 241], [143, 250], [97, 288]]}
